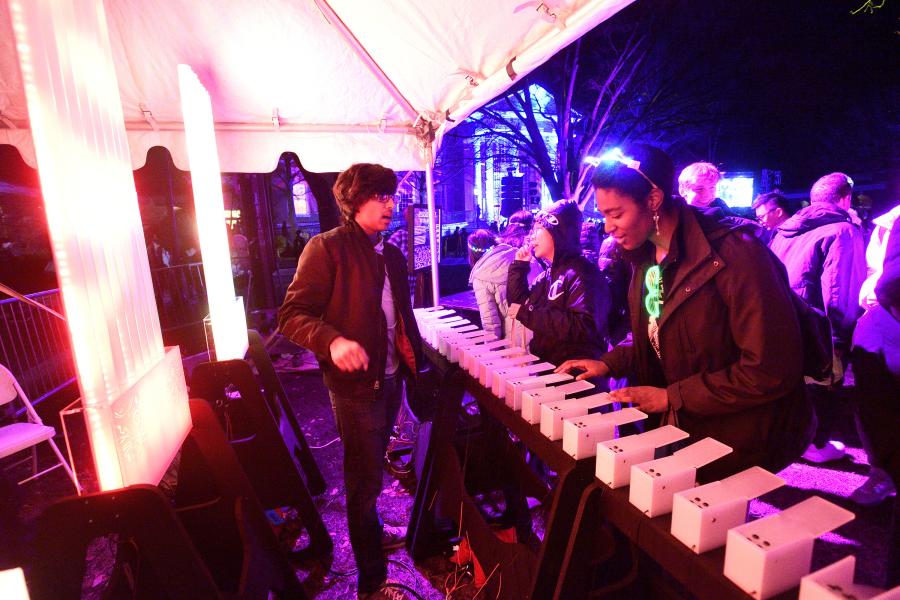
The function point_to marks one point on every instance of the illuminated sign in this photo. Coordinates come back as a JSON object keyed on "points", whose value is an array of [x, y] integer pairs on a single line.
{"points": [[736, 189], [229, 324], [133, 391], [419, 242]]}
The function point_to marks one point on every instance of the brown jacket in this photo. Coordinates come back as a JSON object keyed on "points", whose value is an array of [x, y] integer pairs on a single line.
{"points": [[730, 344], [336, 291]]}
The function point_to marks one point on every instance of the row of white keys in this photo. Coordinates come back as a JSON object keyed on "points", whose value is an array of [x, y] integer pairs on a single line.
{"points": [[581, 434], [457, 347], [446, 338], [532, 400], [445, 325], [515, 387], [470, 354], [502, 375], [702, 516], [487, 369], [655, 482], [616, 457], [554, 413], [477, 365]]}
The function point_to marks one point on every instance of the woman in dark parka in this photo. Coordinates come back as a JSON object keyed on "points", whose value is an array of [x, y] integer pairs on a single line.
{"points": [[716, 346]]}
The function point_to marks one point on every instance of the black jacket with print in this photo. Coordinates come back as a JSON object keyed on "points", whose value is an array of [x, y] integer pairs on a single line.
{"points": [[566, 308]]}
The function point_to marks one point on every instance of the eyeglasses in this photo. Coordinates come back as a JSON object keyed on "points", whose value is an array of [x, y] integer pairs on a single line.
{"points": [[765, 214], [615, 155]]}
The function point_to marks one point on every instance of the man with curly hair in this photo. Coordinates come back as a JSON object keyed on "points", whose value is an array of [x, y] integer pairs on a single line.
{"points": [[349, 304]]}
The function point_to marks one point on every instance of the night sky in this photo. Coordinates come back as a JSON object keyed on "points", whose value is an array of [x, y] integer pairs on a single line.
{"points": [[805, 86]]}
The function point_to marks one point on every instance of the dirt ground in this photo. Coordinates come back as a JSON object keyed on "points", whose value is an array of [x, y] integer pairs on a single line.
{"points": [[866, 537]]}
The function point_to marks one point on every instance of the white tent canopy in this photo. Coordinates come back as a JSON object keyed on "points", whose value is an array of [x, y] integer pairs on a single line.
{"points": [[334, 81]]}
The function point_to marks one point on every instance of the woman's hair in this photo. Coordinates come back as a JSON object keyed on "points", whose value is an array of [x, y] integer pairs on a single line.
{"points": [[652, 162], [517, 228], [359, 183], [522, 217], [480, 241]]}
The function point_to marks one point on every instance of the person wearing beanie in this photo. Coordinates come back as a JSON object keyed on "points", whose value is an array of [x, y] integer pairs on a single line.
{"points": [[568, 304], [716, 344], [488, 276]]}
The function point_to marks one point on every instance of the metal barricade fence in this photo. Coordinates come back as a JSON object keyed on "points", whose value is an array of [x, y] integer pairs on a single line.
{"points": [[35, 345], [180, 295]]}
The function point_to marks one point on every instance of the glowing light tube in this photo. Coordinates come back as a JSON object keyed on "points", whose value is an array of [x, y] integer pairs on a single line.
{"points": [[229, 324], [136, 418]]}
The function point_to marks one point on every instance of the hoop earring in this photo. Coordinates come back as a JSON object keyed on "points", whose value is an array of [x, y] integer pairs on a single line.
{"points": [[656, 222]]}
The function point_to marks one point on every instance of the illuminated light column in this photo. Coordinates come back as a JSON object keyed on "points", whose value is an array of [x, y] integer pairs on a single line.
{"points": [[133, 389], [229, 324]]}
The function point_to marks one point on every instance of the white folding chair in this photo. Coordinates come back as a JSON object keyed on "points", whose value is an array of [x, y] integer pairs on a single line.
{"points": [[20, 436]]}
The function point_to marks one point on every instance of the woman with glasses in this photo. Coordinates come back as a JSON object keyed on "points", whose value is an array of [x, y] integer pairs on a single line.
{"points": [[716, 346], [568, 303]]}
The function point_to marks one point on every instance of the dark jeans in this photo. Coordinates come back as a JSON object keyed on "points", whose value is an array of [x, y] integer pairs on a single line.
{"points": [[365, 428]]}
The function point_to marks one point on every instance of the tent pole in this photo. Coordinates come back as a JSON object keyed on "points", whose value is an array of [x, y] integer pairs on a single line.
{"points": [[433, 233]]}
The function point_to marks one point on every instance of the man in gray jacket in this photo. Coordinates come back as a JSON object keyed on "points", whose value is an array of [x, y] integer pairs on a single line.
{"points": [[824, 252]]}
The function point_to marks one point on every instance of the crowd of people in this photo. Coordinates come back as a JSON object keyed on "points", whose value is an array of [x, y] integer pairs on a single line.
{"points": [[693, 314]]}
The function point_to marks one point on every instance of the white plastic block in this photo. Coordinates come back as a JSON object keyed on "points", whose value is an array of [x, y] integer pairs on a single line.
{"points": [[479, 371], [702, 516], [501, 376], [456, 345], [533, 399], [770, 555], [446, 337], [616, 457], [469, 353], [515, 387], [655, 482], [553, 413], [835, 582], [487, 369], [581, 434]]}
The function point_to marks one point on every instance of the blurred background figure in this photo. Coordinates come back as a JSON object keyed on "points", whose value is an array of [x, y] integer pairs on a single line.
{"points": [[875, 357], [875, 255], [697, 185], [824, 252], [590, 241], [771, 209], [489, 274]]}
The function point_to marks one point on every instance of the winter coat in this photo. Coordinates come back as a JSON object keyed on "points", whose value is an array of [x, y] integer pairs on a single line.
{"points": [[488, 280], [337, 291], [884, 225], [730, 344], [825, 256], [566, 308]]}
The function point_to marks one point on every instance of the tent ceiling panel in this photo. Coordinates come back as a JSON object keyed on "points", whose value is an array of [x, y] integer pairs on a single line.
{"points": [[284, 78]]}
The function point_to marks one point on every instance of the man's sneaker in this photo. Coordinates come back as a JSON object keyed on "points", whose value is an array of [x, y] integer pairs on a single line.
{"points": [[876, 488], [832, 450], [392, 537]]}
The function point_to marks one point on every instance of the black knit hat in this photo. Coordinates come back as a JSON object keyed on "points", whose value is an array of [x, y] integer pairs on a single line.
{"points": [[562, 220]]}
